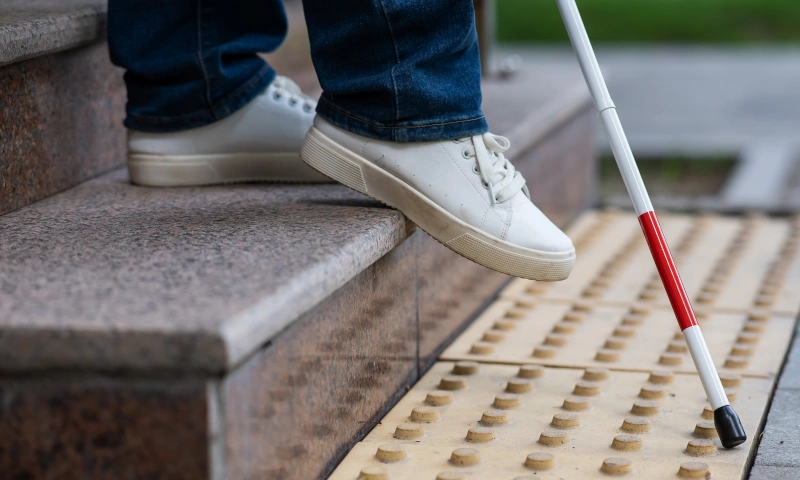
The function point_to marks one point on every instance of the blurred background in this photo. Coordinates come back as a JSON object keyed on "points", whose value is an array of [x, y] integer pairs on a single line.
{"points": [[707, 91]]}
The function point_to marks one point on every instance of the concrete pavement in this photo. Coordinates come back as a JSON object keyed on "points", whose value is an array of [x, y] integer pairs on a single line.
{"points": [[706, 101]]}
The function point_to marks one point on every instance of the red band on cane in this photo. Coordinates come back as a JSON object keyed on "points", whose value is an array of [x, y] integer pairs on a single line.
{"points": [[667, 270]]}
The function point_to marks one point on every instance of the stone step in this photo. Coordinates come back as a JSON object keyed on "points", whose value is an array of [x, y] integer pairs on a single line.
{"points": [[61, 100], [32, 28], [253, 331]]}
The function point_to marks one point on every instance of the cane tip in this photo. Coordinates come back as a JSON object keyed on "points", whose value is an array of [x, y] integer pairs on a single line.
{"points": [[729, 427]]}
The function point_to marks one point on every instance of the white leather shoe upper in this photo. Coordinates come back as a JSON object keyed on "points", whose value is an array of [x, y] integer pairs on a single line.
{"points": [[276, 121], [470, 178]]}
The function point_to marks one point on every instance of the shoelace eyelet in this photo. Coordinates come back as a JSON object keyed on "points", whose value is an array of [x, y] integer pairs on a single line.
{"points": [[465, 154], [475, 170], [308, 108], [293, 101], [485, 185], [277, 95]]}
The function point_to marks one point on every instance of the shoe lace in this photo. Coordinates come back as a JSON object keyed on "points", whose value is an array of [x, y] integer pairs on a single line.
{"points": [[287, 86], [496, 171]]}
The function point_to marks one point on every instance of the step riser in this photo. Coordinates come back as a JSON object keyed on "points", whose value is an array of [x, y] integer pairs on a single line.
{"points": [[298, 404], [61, 117], [94, 428], [451, 290]]}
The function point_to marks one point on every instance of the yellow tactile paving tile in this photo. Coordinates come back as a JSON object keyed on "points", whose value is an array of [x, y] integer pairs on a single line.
{"points": [[622, 425], [587, 334], [767, 275], [726, 263], [590, 378], [615, 238]]}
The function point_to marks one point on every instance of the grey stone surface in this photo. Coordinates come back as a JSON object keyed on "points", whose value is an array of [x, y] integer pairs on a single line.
{"points": [[694, 99], [303, 401], [108, 275], [780, 442], [760, 178], [95, 427], [790, 376], [760, 472], [792, 193], [60, 123], [30, 28], [778, 454], [705, 101]]}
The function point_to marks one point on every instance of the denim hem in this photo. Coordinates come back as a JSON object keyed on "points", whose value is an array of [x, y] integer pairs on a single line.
{"points": [[444, 129], [222, 108]]}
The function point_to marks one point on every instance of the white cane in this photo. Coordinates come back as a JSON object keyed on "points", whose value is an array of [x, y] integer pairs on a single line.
{"points": [[729, 427]]}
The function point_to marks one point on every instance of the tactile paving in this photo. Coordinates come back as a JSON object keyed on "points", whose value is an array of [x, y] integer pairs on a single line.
{"points": [[585, 334], [590, 377], [726, 263], [495, 424]]}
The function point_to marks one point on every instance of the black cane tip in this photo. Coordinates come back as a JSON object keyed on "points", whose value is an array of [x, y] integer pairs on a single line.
{"points": [[729, 427]]}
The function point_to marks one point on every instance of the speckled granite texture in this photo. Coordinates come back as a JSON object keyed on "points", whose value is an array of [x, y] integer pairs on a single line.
{"points": [[60, 123], [293, 409], [87, 427], [30, 28], [109, 275], [451, 290]]}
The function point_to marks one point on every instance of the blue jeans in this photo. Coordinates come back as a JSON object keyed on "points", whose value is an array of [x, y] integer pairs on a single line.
{"points": [[395, 70]]}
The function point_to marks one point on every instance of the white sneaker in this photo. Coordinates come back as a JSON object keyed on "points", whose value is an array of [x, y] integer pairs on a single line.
{"points": [[258, 143], [464, 193]]}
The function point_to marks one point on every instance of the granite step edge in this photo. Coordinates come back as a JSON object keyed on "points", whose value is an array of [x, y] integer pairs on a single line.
{"points": [[36, 28], [210, 351], [244, 333], [95, 337]]}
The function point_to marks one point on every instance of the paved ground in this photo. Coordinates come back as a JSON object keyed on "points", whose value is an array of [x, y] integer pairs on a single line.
{"points": [[778, 456], [701, 101], [744, 102]]}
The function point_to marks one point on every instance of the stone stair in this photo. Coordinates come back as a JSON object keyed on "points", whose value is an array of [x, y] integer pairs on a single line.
{"points": [[242, 332], [61, 100]]}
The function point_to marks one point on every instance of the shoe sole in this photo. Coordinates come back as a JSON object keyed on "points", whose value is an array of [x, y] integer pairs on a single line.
{"points": [[197, 170], [344, 166]]}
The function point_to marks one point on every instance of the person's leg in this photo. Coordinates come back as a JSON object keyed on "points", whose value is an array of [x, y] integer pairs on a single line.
{"points": [[192, 62], [398, 70], [400, 120], [203, 107]]}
